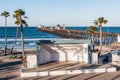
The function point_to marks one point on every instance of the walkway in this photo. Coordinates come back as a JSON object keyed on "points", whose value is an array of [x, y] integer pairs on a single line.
{"points": [[60, 66], [10, 70]]}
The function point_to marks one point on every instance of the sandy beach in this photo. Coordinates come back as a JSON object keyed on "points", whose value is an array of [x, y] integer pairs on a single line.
{"points": [[109, 47]]}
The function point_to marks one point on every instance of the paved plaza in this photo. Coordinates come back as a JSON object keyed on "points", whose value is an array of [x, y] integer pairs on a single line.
{"points": [[10, 70]]}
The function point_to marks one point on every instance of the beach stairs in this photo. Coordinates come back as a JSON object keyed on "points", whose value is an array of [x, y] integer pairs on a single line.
{"points": [[63, 68]]}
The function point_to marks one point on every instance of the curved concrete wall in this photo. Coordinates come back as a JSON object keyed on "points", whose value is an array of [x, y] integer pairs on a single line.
{"points": [[63, 52]]}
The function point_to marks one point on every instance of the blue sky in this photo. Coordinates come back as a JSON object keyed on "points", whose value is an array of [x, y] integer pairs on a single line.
{"points": [[68, 12]]}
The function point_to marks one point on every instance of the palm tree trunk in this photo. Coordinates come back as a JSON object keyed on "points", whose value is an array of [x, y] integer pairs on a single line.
{"points": [[14, 41], [22, 42], [93, 40], [5, 51], [105, 39], [100, 38]]}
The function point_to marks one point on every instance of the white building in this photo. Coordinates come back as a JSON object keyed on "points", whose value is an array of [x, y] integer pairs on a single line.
{"points": [[60, 50], [41, 26], [116, 57]]}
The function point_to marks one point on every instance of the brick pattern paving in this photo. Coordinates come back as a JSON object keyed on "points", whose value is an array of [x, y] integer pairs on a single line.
{"points": [[9, 70]]}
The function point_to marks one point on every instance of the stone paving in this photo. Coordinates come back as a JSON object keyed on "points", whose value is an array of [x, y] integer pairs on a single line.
{"points": [[59, 66], [92, 76], [10, 70]]}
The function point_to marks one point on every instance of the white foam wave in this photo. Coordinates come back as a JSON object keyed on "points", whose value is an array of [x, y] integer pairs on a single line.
{"points": [[33, 39]]}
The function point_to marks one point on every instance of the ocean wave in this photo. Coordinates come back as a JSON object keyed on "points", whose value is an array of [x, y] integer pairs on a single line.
{"points": [[33, 39]]}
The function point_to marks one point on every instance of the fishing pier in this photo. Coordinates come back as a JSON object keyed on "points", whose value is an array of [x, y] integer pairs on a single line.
{"points": [[77, 34]]}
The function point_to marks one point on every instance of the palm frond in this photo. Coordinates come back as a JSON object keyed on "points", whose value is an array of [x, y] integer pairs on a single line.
{"points": [[26, 17], [18, 14], [95, 22], [92, 29], [105, 21], [5, 13]]}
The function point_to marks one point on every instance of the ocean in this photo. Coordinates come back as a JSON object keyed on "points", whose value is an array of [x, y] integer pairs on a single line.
{"points": [[31, 35]]}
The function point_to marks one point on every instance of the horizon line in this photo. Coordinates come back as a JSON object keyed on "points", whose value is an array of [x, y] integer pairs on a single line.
{"points": [[65, 26]]}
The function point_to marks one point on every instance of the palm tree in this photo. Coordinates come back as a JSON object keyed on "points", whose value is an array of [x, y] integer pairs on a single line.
{"points": [[5, 14], [17, 29], [99, 22], [20, 14], [92, 30]]}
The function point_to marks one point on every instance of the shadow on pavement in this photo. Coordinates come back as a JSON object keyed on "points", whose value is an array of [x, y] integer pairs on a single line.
{"points": [[8, 78], [7, 64]]}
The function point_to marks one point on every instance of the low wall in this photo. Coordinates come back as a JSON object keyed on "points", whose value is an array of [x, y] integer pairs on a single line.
{"points": [[31, 61], [81, 71], [63, 52], [115, 58]]}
